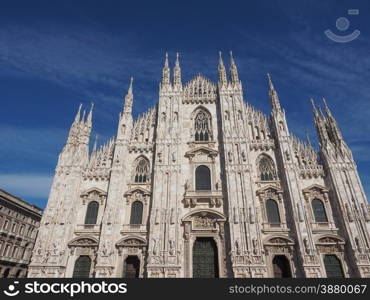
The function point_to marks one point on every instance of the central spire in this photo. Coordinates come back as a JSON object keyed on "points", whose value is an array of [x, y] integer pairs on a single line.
{"points": [[129, 98], [274, 98]]}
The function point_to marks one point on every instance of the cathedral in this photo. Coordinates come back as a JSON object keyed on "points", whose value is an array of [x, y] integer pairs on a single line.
{"points": [[204, 185]]}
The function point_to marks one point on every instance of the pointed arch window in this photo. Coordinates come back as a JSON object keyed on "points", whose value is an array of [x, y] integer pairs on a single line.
{"points": [[319, 212], [82, 267], [136, 213], [272, 211], [92, 212], [266, 168], [142, 170], [202, 178], [202, 126]]}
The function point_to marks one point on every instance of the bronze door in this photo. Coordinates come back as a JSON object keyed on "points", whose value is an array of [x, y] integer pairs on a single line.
{"points": [[205, 258]]}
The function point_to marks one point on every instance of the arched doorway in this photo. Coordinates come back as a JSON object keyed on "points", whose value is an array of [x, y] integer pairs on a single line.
{"points": [[281, 267], [333, 266], [82, 267], [205, 258], [131, 267]]}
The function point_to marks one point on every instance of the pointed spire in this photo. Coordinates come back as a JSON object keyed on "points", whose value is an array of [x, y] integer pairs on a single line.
{"points": [[233, 69], [308, 139], [166, 72], [83, 115], [130, 87], [95, 143], [274, 98], [89, 117], [222, 78], [177, 71], [129, 98], [327, 109], [314, 109], [78, 114]]}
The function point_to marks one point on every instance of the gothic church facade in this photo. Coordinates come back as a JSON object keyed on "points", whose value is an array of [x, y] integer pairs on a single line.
{"points": [[205, 185]]}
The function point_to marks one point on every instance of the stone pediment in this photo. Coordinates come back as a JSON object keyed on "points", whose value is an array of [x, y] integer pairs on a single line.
{"points": [[204, 213], [330, 240], [202, 150], [269, 188], [131, 241], [278, 241], [94, 190], [135, 190], [316, 187], [84, 241]]}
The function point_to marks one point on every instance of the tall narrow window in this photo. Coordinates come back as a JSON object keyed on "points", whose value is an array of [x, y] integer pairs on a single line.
{"points": [[272, 210], [266, 168], [202, 126], [333, 266], [136, 213], [319, 212], [82, 267], [92, 212], [142, 169], [202, 178]]}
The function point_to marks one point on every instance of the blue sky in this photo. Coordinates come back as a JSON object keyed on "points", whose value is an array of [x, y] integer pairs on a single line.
{"points": [[57, 54]]}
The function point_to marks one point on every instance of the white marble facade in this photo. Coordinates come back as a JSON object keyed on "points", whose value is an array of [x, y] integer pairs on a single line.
{"points": [[273, 207]]}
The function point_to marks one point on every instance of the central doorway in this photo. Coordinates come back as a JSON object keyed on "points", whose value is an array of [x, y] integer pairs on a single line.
{"points": [[131, 267], [205, 258]]}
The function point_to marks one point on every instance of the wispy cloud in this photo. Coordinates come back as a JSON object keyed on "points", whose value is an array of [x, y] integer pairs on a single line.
{"points": [[36, 186]]}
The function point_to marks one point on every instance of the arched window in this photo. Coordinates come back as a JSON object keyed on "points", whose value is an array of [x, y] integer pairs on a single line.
{"points": [[333, 266], [202, 178], [142, 170], [131, 267], [319, 212], [92, 212], [82, 267], [18, 274], [281, 267], [6, 273], [202, 126], [266, 168], [136, 213], [272, 210]]}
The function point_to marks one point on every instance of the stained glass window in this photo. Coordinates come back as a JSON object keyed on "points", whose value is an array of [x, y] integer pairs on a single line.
{"points": [[266, 169], [92, 212], [136, 213], [202, 178], [272, 210], [142, 170], [319, 211], [202, 126]]}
